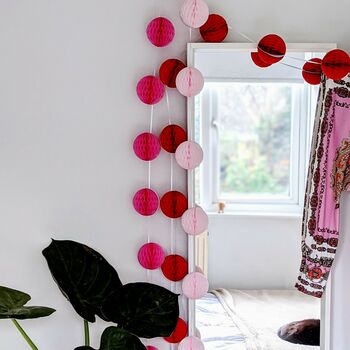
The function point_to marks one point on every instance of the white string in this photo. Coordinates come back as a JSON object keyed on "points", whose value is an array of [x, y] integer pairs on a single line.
{"points": [[168, 106], [245, 37]]}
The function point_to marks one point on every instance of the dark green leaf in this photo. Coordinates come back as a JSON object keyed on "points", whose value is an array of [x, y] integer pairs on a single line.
{"points": [[114, 338], [12, 305], [84, 277], [144, 309]]}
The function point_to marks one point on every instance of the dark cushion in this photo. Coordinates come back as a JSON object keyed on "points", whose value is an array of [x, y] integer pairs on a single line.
{"points": [[306, 332]]}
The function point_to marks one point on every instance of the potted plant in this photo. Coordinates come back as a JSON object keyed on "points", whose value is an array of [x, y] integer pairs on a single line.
{"points": [[93, 288]]}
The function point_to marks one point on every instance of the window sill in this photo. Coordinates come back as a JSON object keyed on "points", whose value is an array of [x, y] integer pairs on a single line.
{"points": [[279, 215]]}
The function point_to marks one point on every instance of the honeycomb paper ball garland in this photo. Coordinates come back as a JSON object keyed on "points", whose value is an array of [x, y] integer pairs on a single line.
{"points": [[174, 267], [312, 71], [191, 343], [146, 146], [169, 70], [336, 64], [150, 90], [189, 82], [215, 29], [171, 137], [173, 204], [179, 333], [146, 202], [160, 32], [271, 48], [195, 285], [194, 221], [194, 13], [189, 155], [151, 256]]}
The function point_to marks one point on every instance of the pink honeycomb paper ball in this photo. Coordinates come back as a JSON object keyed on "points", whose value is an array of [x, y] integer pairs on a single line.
{"points": [[194, 221], [146, 146], [194, 13], [160, 32], [195, 285], [189, 82], [189, 155], [151, 256], [191, 343], [146, 202], [150, 89]]}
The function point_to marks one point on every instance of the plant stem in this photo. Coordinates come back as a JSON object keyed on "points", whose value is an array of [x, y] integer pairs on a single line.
{"points": [[24, 334], [87, 333]]}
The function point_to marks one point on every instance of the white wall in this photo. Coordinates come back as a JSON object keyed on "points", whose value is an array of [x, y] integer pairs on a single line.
{"points": [[68, 115], [254, 252]]}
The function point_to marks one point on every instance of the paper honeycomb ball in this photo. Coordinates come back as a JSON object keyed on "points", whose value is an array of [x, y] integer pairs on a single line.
{"points": [[312, 71], [150, 90], [194, 221], [336, 64], [194, 13], [151, 256], [271, 48], [160, 31], [173, 204], [179, 333], [189, 82], [215, 29], [169, 70], [146, 202], [171, 137], [257, 60], [174, 267], [195, 285], [146, 146], [191, 343], [189, 155]]}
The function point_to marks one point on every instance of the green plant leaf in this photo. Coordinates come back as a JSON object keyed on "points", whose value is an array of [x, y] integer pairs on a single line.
{"points": [[144, 309], [83, 275], [12, 305], [114, 338]]}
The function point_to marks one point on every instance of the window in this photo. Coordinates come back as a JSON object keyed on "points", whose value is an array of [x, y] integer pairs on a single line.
{"points": [[255, 135]]}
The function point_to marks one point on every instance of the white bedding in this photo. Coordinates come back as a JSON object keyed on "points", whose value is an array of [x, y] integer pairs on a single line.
{"points": [[249, 320]]}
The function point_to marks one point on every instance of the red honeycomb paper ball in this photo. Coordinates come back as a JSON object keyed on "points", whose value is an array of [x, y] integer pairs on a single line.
{"points": [[174, 267], [171, 137], [257, 60], [336, 64], [173, 204], [271, 48], [215, 29], [312, 71], [169, 70]]}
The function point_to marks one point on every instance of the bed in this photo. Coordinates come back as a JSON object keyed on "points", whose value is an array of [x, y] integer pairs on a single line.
{"points": [[249, 319]]}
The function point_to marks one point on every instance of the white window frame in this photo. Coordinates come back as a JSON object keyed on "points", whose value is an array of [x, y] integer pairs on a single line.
{"points": [[207, 194], [209, 139]]}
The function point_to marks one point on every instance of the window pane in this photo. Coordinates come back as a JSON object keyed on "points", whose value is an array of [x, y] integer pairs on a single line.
{"points": [[254, 139]]}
